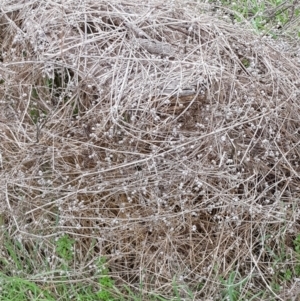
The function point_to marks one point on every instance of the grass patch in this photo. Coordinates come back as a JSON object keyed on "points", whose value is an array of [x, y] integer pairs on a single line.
{"points": [[272, 18]]}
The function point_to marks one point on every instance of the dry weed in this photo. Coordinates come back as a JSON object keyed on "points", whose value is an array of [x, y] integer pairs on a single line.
{"points": [[168, 137]]}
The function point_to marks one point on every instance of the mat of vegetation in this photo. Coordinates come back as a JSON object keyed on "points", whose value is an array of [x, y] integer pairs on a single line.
{"points": [[148, 151]]}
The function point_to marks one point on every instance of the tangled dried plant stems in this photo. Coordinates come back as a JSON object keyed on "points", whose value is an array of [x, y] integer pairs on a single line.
{"points": [[169, 138]]}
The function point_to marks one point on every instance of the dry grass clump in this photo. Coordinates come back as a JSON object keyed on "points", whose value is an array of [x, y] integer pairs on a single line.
{"points": [[157, 136]]}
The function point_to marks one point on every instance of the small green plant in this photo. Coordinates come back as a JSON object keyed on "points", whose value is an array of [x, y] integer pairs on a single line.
{"points": [[297, 250], [245, 62], [232, 286], [287, 275], [105, 281], [275, 287], [49, 83], [279, 259], [297, 244], [35, 115], [64, 247]]}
